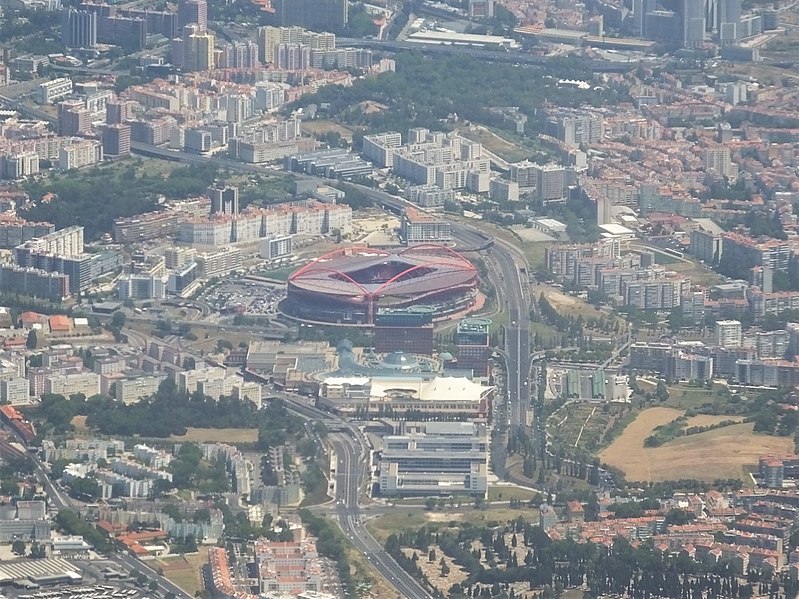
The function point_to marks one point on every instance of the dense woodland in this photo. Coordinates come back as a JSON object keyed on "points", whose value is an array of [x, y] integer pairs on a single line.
{"points": [[425, 90], [102, 194]]}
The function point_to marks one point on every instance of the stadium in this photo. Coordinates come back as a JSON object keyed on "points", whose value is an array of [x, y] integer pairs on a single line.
{"points": [[352, 285]]}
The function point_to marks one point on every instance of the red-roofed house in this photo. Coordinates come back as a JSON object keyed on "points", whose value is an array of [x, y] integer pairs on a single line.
{"points": [[60, 324]]}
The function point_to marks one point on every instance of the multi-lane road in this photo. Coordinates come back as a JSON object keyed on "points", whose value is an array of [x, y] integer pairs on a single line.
{"points": [[350, 464]]}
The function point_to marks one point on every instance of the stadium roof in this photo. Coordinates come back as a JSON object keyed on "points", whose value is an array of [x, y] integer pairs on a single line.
{"points": [[416, 270]]}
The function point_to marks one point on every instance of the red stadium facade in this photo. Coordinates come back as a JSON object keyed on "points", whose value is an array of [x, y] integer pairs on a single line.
{"points": [[351, 285]]}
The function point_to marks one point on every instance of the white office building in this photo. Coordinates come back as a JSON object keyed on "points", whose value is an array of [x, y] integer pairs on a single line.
{"points": [[435, 458]]}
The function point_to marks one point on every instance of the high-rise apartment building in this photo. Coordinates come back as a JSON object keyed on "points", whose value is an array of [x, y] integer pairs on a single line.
{"points": [[224, 200], [193, 12], [116, 140], [116, 112], [198, 49], [73, 118], [719, 159], [270, 37], [728, 333], [550, 182]]}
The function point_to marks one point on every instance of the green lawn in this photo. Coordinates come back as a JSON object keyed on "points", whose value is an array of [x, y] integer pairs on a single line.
{"points": [[684, 397], [506, 493]]}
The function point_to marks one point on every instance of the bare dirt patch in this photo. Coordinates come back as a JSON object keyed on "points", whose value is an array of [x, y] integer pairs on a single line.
{"points": [[217, 435]]}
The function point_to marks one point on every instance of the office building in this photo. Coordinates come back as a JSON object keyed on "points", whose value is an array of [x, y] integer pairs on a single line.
{"points": [[275, 248], [193, 12], [729, 21], [79, 28], [693, 22], [473, 342], [728, 333], [435, 458], [224, 200], [141, 286]]}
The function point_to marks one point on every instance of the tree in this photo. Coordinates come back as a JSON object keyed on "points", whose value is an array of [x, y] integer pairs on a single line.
{"points": [[661, 391], [153, 586], [38, 551], [32, 340], [118, 320], [18, 547]]}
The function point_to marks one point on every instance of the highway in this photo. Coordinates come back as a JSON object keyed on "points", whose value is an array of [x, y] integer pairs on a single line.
{"points": [[351, 455], [350, 465]]}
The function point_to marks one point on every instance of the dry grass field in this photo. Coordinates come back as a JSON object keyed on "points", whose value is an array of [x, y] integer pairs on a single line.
{"points": [[498, 145], [321, 126], [217, 435], [184, 570], [569, 305], [720, 453]]}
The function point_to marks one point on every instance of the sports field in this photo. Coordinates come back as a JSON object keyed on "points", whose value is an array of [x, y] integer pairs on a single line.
{"points": [[719, 453]]}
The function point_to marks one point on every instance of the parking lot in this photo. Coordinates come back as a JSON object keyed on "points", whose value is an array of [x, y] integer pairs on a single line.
{"points": [[98, 591], [254, 298]]}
